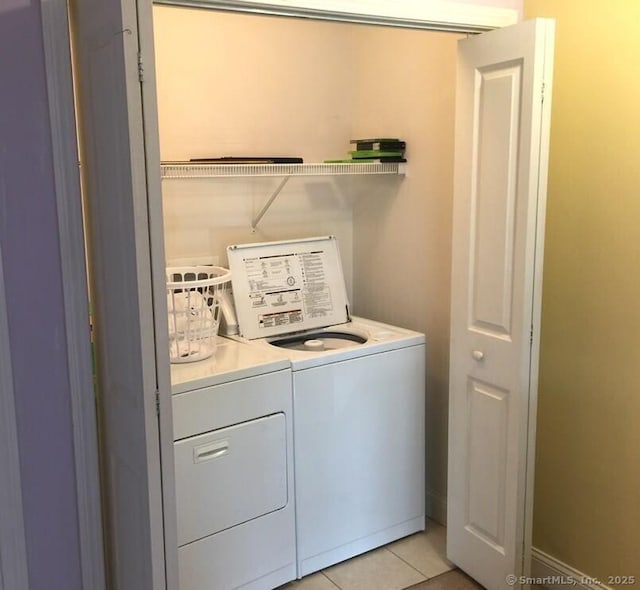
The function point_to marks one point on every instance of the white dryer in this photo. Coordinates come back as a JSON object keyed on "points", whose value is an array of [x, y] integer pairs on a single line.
{"points": [[359, 392], [232, 422]]}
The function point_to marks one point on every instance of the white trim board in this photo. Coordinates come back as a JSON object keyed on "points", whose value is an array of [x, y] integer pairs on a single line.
{"points": [[55, 35], [421, 14], [554, 574], [548, 49], [13, 548]]}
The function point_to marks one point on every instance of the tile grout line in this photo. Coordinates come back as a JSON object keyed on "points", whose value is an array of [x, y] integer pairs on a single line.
{"points": [[384, 548], [415, 569], [330, 580], [411, 566]]}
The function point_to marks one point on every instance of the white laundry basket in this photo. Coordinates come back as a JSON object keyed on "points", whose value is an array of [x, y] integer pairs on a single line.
{"points": [[193, 305]]}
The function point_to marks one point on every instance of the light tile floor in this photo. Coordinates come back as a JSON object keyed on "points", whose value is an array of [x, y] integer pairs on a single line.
{"points": [[395, 566]]}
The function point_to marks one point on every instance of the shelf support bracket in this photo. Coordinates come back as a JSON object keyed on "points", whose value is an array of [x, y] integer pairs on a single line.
{"points": [[260, 215]]}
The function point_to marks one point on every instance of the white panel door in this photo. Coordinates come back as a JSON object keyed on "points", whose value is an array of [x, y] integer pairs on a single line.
{"points": [[502, 126]]}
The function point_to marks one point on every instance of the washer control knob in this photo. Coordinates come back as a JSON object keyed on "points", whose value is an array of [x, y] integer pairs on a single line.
{"points": [[478, 355]]}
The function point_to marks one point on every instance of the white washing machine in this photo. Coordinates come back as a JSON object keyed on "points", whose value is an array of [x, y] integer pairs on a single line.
{"points": [[232, 421], [359, 393]]}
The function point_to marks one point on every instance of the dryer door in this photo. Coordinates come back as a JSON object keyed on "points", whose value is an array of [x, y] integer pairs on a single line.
{"points": [[229, 476]]}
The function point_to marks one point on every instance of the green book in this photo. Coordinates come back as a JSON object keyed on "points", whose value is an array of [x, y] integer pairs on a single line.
{"points": [[356, 154], [383, 160]]}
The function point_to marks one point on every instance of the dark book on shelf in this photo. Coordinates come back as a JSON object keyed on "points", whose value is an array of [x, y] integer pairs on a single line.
{"points": [[374, 139], [249, 160], [382, 160], [381, 145]]}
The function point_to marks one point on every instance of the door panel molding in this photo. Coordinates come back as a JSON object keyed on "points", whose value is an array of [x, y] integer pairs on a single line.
{"points": [[485, 490], [492, 241]]}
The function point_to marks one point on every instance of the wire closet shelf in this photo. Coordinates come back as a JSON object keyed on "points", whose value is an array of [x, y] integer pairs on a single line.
{"points": [[190, 170]]}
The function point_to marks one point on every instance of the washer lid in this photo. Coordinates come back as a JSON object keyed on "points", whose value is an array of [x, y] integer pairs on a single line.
{"points": [[287, 286]]}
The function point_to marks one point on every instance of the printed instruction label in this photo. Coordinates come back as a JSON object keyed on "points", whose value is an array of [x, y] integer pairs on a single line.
{"points": [[285, 289]]}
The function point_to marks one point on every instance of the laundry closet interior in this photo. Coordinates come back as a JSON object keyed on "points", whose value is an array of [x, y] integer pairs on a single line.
{"points": [[250, 85], [228, 83]]}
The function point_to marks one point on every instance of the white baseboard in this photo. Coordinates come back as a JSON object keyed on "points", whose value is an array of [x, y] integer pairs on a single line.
{"points": [[554, 574], [436, 507]]}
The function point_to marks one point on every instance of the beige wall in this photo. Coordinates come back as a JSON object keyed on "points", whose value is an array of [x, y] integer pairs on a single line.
{"points": [[402, 245], [232, 84], [587, 495]]}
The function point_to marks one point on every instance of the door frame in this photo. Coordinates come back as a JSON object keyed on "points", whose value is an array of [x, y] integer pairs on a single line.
{"points": [[58, 72], [434, 15], [536, 307], [428, 15]]}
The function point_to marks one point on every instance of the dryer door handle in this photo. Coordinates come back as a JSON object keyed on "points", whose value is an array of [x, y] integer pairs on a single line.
{"points": [[210, 451]]}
